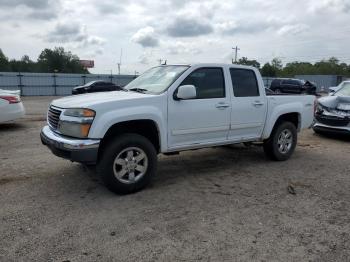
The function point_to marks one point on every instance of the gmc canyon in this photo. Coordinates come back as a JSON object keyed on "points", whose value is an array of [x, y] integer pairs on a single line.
{"points": [[168, 109]]}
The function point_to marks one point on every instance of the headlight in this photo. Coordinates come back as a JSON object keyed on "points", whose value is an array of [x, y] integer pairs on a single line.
{"points": [[319, 108], [79, 112], [73, 129], [76, 122]]}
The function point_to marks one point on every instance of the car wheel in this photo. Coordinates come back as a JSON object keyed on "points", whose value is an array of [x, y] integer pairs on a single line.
{"points": [[128, 164], [281, 144]]}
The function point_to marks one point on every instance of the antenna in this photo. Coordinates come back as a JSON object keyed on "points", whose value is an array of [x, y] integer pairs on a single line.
{"points": [[120, 60]]}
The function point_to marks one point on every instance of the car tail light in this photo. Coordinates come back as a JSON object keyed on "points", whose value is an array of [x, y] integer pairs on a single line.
{"points": [[11, 99]]}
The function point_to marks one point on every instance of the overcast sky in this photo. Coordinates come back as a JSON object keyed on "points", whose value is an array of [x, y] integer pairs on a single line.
{"points": [[181, 31]]}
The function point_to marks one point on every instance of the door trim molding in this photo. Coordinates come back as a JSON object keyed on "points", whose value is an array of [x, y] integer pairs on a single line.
{"points": [[200, 130], [244, 126]]}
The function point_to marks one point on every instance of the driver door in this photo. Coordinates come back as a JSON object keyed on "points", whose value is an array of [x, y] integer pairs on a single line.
{"points": [[204, 119]]}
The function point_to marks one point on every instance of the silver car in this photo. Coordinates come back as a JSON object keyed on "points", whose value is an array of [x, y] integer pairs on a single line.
{"points": [[332, 113]]}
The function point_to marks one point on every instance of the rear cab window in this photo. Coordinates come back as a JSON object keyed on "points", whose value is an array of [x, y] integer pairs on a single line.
{"points": [[244, 82]]}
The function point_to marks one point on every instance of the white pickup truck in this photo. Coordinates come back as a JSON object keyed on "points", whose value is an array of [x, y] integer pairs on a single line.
{"points": [[169, 109]]}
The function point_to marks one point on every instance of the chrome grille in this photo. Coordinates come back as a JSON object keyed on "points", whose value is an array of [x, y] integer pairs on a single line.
{"points": [[53, 116]]}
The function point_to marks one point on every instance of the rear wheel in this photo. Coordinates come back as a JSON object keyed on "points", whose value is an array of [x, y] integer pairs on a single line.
{"points": [[128, 164], [281, 144]]}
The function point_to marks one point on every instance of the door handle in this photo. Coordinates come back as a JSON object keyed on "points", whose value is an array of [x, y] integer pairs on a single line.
{"points": [[258, 103], [222, 105]]}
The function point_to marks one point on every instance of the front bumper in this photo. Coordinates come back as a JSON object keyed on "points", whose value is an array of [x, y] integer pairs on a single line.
{"points": [[331, 129], [76, 150]]}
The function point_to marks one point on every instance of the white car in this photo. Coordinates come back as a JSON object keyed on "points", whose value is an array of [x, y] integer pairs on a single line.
{"points": [[11, 107], [169, 109]]}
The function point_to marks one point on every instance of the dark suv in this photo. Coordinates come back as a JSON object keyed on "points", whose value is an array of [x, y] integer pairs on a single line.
{"points": [[95, 86], [295, 86]]}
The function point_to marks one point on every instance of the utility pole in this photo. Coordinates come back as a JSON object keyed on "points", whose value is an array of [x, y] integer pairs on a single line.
{"points": [[236, 53], [120, 60]]}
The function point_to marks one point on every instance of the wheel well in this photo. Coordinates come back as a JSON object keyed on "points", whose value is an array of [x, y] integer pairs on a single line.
{"points": [[146, 128], [290, 117]]}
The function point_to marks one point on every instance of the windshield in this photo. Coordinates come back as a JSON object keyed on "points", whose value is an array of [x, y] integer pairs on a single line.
{"points": [[157, 79], [344, 90], [90, 83]]}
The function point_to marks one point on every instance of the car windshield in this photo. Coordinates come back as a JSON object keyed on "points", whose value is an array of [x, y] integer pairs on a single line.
{"points": [[90, 83], [157, 79], [344, 90]]}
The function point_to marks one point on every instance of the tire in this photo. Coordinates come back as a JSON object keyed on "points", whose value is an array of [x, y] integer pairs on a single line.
{"points": [[123, 172], [276, 147]]}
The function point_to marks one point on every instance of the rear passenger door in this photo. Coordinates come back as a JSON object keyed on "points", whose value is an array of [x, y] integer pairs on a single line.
{"points": [[248, 105]]}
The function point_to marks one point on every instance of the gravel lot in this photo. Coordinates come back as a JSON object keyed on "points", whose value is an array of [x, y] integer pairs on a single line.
{"points": [[222, 204]]}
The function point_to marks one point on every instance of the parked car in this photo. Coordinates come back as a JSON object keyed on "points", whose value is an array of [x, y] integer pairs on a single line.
{"points": [[294, 86], [95, 86], [334, 89], [333, 112], [11, 107], [168, 109]]}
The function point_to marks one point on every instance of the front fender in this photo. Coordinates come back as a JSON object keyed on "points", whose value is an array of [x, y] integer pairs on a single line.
{"points": [[103, 122]]}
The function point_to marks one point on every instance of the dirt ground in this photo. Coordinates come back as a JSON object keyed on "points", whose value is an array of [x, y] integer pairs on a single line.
{"points": [[222, 204]]}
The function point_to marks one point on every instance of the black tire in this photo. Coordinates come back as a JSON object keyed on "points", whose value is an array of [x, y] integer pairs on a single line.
{"points": [[271, 147], [105, 166]]}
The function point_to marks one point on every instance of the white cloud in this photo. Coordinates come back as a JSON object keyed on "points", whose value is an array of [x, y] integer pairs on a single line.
{"points": [[182, 48], [292, 29], [329, 5], [176, 30], [73, 32], [146, 37]]}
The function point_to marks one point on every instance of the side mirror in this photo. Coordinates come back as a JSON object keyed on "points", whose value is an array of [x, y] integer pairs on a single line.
{"points": [[186, 92]]}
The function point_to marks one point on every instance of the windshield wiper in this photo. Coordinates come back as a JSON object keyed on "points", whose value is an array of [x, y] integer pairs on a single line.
{"points": [[139, 90]]}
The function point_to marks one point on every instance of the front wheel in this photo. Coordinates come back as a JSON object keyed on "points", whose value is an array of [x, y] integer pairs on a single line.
{"points": [[128, 164], [282, 142]]}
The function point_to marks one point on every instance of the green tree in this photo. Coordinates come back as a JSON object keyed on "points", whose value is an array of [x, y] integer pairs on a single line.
{"points": [[23, 65], [58, 60], [277, 63], [4, 62], [268, 70], [246, 61], [297, 68]]}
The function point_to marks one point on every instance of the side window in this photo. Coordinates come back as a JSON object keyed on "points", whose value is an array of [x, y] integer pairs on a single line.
{"points": [[296, 83], [209, 82], [244, 82]]}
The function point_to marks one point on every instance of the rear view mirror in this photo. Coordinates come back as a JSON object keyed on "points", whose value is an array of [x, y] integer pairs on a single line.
{"points": [[186, 92]]}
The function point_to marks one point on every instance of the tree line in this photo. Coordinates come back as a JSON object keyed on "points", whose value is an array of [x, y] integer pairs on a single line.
{"points": [[275, 68], [55, 60], [58, 60]]}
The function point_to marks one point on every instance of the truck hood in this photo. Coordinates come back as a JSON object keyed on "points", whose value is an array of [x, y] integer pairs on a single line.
{"points": [[91, 99], [336, 102]]}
